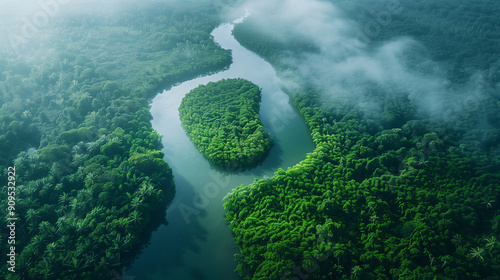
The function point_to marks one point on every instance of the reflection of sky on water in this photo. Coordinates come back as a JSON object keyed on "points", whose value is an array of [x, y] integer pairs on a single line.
{"points": [[203, 247]]}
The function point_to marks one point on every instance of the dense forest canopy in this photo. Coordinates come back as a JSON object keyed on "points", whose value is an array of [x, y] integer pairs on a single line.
{"points": [[401, 97], [91, 182], [403, 103], [222, 119]]}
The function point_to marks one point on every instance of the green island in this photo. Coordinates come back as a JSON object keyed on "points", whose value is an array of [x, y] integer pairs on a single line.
{"points": [[91, 182], [222, 119], [394, 194], [390, 192]]}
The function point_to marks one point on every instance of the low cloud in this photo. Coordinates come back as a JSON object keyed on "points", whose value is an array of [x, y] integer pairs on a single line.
{"points": [[346, 67], [23, 21]]}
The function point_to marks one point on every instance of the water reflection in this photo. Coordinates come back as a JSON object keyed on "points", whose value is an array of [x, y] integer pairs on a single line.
{"points": [[197, 244]]}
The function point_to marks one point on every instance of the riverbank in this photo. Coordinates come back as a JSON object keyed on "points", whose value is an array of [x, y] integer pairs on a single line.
{"points": [[197, 244]]}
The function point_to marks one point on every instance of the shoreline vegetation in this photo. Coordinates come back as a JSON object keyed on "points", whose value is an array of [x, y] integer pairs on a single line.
{"points": [[222, 119], [92, 184], [390, 195]]}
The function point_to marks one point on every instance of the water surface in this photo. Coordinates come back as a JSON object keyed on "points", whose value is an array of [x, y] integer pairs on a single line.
{"points": [[197, 244]]}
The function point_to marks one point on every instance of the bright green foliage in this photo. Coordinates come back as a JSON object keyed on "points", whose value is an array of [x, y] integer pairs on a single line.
{"points": [[401, 212], [387, 196], [223, 122]]}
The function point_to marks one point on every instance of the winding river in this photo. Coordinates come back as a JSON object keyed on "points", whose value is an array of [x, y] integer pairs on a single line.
{"points": [[197, 244]]}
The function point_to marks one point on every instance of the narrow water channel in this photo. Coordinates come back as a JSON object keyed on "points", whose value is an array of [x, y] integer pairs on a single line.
{"points": [[197, 244]]}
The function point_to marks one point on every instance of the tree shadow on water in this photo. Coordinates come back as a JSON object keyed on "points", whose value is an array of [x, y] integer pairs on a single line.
{"points": [[165, 253], [196, 274], [271, 161]]}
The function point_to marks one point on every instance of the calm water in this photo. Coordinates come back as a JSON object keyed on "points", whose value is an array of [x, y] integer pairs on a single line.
{"points": [[197, 244]]}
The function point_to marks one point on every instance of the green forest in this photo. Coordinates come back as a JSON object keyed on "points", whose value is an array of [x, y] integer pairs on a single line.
{"points": [[391, 195], [91, 182], [222, 119]]}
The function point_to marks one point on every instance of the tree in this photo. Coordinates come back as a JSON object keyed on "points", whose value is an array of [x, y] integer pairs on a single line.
{"points": [[477, 253], [222, 119], [491, 242]]}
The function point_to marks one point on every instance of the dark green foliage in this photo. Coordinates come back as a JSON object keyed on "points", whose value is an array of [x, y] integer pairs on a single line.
{"points": [[96, 186], [223, 122], [267, 44], [388, 195], [464, 35], [16, 134]]}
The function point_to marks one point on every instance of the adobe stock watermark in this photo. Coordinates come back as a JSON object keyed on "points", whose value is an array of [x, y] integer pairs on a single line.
{"points": [[309, 265], [31, 25], [463, 109], [382, 19], [121, 275], [11, 218], [210, 191], [281, 117], [202, 199]]}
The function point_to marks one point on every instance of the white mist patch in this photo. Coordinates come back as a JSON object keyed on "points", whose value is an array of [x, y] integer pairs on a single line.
{"points": [[346, 66], [23, 21]]}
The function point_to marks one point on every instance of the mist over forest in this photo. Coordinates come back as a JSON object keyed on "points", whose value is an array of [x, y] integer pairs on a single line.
{"points": [[347, 62], [400, 100], [31, 23], [393, 92]]}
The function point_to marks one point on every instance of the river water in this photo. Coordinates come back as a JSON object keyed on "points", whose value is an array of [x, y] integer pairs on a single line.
{"points": [[197, 243]]}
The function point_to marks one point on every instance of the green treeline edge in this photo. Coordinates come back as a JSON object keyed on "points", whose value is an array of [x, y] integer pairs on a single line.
{"points": [[382, 197], [222, 119], [91, 181]]}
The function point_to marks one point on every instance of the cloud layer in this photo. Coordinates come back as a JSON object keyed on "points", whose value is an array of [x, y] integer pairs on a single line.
{"points": [[347, 67]]}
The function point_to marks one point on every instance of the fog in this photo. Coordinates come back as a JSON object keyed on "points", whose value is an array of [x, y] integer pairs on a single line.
{"points": [[12, 9], [23, 22], [348, 65]]}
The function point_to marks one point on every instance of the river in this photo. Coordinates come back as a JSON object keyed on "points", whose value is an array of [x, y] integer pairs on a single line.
{"points": [[197, 243]]}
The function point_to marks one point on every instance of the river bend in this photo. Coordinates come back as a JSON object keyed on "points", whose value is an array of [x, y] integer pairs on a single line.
{"points": [[197, 244]]}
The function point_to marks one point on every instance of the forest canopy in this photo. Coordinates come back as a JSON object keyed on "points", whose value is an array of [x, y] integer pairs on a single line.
{"points": [[222, 119], [91, 181], [389, 192]]}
